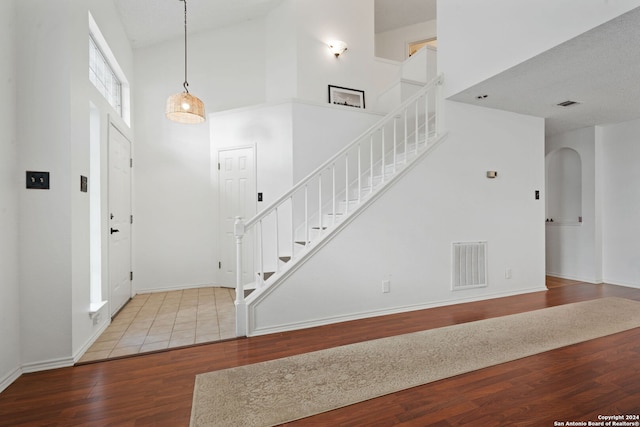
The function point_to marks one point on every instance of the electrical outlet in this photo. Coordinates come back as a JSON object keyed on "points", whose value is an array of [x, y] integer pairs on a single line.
{"points": [[386, 286], [507, 273]]}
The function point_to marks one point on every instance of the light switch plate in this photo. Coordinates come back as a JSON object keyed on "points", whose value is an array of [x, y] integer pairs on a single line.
{"points": [[38, 180]]}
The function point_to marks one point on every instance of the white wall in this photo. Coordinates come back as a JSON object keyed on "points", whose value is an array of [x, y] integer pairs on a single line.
{"points": [[10, 182], [406, 235], [44, 64], [304, 67], [174, 204], [482, 39], [572, 251], [51, 255], [394, 44], [620, 148], [321, 130], [281, 47], [318, 23]]}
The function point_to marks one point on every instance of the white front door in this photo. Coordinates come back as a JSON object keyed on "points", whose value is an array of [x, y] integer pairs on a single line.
{"points": [[237, 197], [119, 220]]}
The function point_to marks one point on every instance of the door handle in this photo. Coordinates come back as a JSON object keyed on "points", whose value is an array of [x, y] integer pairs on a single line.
{"points": [[114, 230]]}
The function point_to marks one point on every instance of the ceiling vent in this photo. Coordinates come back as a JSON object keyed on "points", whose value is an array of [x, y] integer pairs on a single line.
{"points": [[567, 103]]}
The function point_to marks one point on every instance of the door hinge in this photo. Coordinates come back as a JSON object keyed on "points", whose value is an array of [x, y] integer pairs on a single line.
{"points": [[131, 275], [131, 220], [130, 163], [219, 264], [218, 166]]}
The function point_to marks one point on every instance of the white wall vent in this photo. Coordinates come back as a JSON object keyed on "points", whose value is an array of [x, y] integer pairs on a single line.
{"points": [[469, 265]]}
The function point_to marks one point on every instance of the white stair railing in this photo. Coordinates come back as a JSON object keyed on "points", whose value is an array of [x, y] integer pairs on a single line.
{"points": [[287, 228]]}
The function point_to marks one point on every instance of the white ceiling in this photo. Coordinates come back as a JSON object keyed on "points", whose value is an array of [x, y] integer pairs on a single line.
{"points": [[152, 21], [392, 14], [600, 69]]}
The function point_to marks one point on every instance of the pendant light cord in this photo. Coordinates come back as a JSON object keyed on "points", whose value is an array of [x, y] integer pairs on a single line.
{"points": [[185, 84]]}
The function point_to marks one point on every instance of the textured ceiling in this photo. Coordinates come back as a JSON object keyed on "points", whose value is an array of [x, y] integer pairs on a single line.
{"points": [[600, 69]]}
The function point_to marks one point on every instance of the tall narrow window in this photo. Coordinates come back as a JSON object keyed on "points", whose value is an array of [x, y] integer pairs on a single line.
{"points": [[103, 77]]}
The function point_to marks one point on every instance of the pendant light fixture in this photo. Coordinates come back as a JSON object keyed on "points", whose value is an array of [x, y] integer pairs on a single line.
{"points": [[184, 107]]}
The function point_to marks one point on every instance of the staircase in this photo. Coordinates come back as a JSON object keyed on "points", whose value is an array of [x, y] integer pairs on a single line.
{"points": [[294, 227]]}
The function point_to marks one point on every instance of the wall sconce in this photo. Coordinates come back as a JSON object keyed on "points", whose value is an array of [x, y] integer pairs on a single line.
{"points": [[337, 47], [492, 174]]}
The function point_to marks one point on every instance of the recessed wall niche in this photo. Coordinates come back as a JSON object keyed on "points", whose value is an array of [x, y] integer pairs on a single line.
{"points": [[564, 186]]}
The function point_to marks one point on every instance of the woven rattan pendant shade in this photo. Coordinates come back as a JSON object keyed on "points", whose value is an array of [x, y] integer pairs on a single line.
{"points": [[185, 108]]}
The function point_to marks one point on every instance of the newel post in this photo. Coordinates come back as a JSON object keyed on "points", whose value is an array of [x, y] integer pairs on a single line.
{"points": [[241, 305]]}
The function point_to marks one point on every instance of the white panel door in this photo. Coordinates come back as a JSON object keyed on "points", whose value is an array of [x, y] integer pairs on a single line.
{"points": [[237, 197], [119, 220]]}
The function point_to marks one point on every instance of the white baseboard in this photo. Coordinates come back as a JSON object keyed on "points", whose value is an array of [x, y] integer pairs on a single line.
{"points": [[174, 288], [569, 277], [256, 331], [63, 362], [625, 284], [9, 379]]}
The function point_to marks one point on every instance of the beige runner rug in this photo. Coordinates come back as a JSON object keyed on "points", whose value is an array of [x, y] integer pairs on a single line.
{"points": [[277, 391]]}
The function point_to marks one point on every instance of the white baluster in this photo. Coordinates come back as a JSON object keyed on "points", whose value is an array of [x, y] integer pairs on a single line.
{"points": [[406, 137], [277, 241], [417, 127], [320, 203], [260, 280], [371, 164], [293, 231], [359, 173], [426, 118], [333, 194], [395, 141], [383, 156], [241, 305], [438, 104], [346, 182], [306, 214]]}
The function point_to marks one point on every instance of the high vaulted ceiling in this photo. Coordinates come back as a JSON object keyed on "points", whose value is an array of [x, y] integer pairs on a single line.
{"points": [[600, 69], [152, 21]]}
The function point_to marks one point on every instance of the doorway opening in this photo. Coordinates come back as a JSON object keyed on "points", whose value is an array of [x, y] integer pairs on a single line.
{"points": [[413, 47]]}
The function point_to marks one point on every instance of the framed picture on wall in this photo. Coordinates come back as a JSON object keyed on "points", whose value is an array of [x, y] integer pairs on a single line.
{"points": [[345, 96]]}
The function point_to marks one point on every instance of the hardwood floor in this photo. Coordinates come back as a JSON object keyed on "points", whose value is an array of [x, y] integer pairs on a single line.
{"points": [[555, 282], [575, 383]]}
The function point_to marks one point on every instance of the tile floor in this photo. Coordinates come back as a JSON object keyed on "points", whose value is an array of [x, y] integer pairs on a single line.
{"points": [[164, 320]]}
